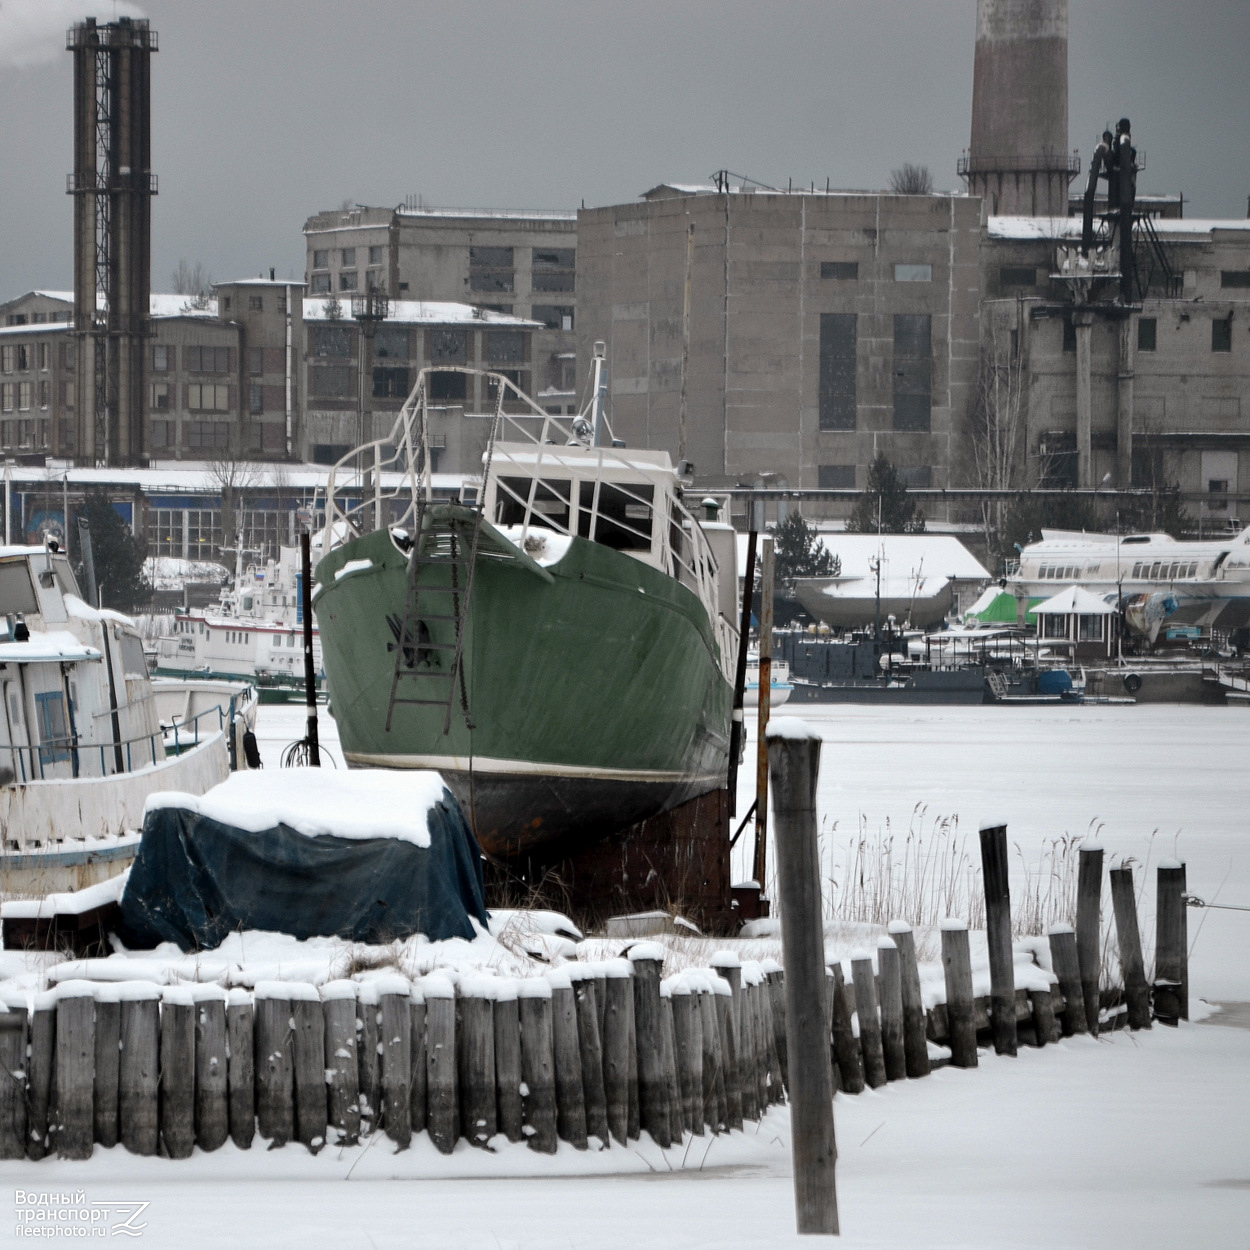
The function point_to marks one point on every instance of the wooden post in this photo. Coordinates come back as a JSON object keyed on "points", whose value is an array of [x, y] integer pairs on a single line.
{"points": [[39, 1076], [240, 1071], [795, 764], [729, 1056], [590, 1048], [1045, 1025], [338, 1009], [683, 1031], [890, 975], [647, 959], [367, 1004], [698, 1083], [1128, 938], [998, 937], [1089, 930], [508, 1062], [1171, 979], [477, 1095], [915, 1041], [777, 1003], [755, 998], [212, 1114], [668, 1061], [308, 1065], [631, 1071], [767, 576], [177, 1109], [275, 1075], [618, 1024], [570, 1094], [776, 1082], [715, 1109], [75, 1069], [831, 993], [139, 1068], [960, 1021], [1066, 963], [440, 1061], [395, 993], [108, 1029], [846, 1049], [538, 1064], [869, 1021], [13, 1076], [417, 1091]]}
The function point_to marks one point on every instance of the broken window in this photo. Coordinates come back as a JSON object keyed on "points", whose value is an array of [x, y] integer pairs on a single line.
{"points": [[913, 371], [490, 269], [1222, 334], [347, 280], [391, 343], [160, 397], [553, 316], [331, 341], [842, 270], [553, 269], [835, 476], [391, 383], [1147, 334], [837, 371], [321, 259], [505, 346], [331, 382], [1013, 275], [448, 386], [448, 346]]}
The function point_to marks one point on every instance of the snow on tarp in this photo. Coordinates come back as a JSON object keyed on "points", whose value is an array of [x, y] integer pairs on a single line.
{"points": [[367, 855]]}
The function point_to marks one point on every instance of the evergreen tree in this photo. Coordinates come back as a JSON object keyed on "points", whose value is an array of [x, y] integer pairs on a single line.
{"points": [[884, 505], [798, 552], [117, 556]]}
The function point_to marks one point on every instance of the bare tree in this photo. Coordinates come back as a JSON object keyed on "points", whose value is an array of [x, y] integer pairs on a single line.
{"points": [[193, 280], [233, 475], [911, 180]]}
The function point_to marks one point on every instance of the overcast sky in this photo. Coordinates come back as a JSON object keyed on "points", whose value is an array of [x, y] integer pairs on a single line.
{"points": [[266, 111]]}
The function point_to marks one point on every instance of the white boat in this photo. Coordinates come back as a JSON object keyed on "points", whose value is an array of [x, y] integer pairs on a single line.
{"points": [[254, 633], [81, 740], [1159, 580], [779, 690]]}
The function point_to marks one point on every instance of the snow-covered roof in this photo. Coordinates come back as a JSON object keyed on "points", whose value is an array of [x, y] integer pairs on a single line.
{"points": [[37, 327], [508, 214], [1059, 228], [902, 556], [425, 312], [1074, 599], [277, 282], [46, 648], [159, 305]]}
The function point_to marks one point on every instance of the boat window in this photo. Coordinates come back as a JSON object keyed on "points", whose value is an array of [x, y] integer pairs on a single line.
{"points": [[552, 498], [1136, 569], [17, 593], [15, 710], [624, 517], [50, 709], [1154, 570], [1193, 569], [1089, 628], [1054, 626], [65, 577], [133, 662]]}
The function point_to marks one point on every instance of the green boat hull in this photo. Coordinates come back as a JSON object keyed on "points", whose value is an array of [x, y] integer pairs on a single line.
{"points": [[593, 695]]}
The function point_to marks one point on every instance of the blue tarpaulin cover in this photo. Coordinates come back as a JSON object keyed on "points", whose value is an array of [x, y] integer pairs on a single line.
{"points": [[197, 878]]}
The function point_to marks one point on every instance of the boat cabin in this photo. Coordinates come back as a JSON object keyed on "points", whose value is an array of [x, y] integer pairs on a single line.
{"points": [[1081, 623]]}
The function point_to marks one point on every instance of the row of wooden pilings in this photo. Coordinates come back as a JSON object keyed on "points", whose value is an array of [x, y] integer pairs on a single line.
{"points": [[587, 1051]]}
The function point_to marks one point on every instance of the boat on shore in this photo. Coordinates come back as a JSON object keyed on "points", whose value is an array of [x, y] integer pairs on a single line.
{"points": [[779, 690], [560, 647]]}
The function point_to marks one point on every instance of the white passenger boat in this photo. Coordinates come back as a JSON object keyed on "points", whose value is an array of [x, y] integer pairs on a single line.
{"points": [[780, 688]]}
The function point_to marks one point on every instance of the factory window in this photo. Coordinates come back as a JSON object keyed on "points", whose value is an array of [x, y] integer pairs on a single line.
{"points": [[376, 256], [225, 302], [506, 309], [505, 345], [208, 435], [68, 355], [255, 303], [373, 280], [1147, 334], [1012, 275], [390, 384], [329, 453], [8, 393], [321, 258], [16, 319], [835, 476], [208, 359], [915, 475], [320, 284], [1089, 628], [67, 394], [515, 376], [347, 257], [913, 273], [913, 371], [23, 396], [7, 358], [553, 316], [448, 386], [1069, 333], [23, 358], [1222, 334], [256, 399], [208, 397], [447, 346], [331, 382], [45, 394], [43, 356], [490, 269], [331, 341], [255, 360], [391, 343], [39, 318], [837, 371], [843, 270], [1238, 278], [160, 358], [347, 280], [553, 269], [163, 433], [160, 397]]}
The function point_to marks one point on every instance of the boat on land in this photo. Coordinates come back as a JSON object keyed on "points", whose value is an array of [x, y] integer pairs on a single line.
{"points": [[560, 646], [82, 743], [779, 689]]}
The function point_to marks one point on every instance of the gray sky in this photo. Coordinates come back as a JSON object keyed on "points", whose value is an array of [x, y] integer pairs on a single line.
{"points": [[265, 111]]}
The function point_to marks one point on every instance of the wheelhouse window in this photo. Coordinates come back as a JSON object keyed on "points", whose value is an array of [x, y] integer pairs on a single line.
{"points": [[552, 502], [623, 518]]}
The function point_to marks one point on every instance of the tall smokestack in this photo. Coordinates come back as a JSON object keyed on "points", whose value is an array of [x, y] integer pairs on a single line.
{"points": [[1018, 159]]}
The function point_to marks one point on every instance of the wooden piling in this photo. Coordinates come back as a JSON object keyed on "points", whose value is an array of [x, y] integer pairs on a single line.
{"points": [[1128, 939], [695, 1061], [776, 1084], [538, 1064], [417, 1088], [1171, 978], [13, 1025], [177, 1109], [39, 1075], [75, 1069], [869, 1021], [1042, 1008], [590, 1048], [367, 1058], [890, 995], [108, 1025], [668, 1063], [570, 1093], [618, 1023], [1089, 930], [755, 999], [395, 1033], [998, 937], [915, 1043], [646, 959], [1066, 964], [308, 1066], [846, 1049], [716, 1111], [794, 763], [683, 1032], [440, 1061], [139, 1067], [777, 1003], [342, 1067], [957, 966], [477, 1047], [212, 1111], [729, 1055], [508, 1062], [274, 1061]]}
